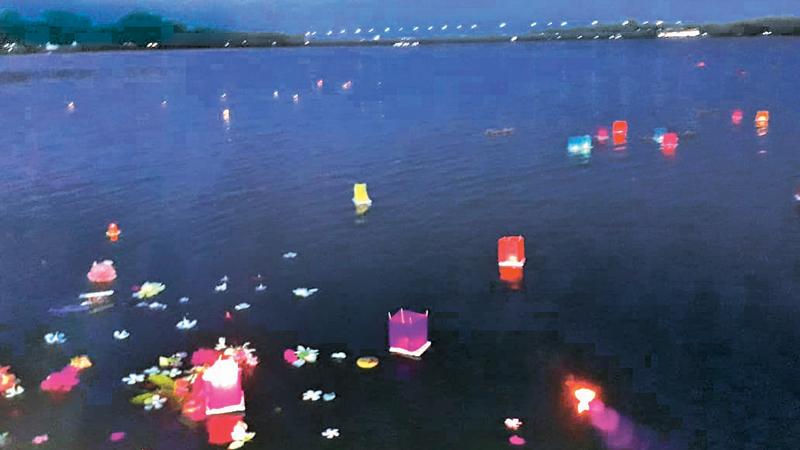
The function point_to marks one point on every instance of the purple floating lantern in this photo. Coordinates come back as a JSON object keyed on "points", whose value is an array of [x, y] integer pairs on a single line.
{"points": [[408, 333]]}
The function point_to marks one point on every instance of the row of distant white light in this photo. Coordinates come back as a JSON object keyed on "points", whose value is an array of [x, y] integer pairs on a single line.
{"points": [[471, 27]]}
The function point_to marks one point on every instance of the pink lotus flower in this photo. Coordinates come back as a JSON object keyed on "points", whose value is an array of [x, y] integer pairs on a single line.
{"points": [[102, 272], [204, 357], [62, 381]]}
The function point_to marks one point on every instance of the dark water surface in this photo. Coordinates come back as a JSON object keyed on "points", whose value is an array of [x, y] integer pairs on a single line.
{"points": [[671, 282]]}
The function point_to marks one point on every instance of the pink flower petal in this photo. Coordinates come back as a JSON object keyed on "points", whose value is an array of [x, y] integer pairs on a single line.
{"points": [[516, 440]]}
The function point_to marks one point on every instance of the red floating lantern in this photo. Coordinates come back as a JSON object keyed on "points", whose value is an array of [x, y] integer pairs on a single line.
{"points": [[408, 333], [511, 251], [736, 116], [670, 141], [620, 132]]}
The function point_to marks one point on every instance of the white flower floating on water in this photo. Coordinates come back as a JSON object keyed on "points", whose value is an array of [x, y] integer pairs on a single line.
{"points": [[306, 354], [14, 391], [149, 289], [133, 379], [56, 337], [154, 402], [261, 287], [310, 395], [121, 335], [289, 255], [512, 424], [186, 324], [242, 306], [329, 396], [304, 292], [240, 435], [155, 306], [172, 373], [222, 287], [330, 433]]}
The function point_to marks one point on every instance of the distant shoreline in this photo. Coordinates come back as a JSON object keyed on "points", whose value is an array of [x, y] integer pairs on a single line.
{"points": [[211, 39]]}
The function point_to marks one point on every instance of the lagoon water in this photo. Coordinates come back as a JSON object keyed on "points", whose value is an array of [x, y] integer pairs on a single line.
{"points": [[672, 282]]}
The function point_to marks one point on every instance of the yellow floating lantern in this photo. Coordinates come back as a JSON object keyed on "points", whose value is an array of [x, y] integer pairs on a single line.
{"points": [[367, 362], [360, 196]]}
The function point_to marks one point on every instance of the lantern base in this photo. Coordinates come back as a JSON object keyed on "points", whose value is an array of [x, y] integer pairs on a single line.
{"points": [[415, 354], [226, 409], [511, 263]]}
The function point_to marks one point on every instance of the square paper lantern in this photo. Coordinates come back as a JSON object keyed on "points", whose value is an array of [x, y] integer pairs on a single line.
{"points": [[223, 387], [658, 135], [762, 119], [511, 251], [408, 333], [579, 145], [619, 130]]}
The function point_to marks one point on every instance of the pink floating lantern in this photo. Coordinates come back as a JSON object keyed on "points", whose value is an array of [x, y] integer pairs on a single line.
{"points": [[117, 436], [102, 272], [511, 251], [408, 333], [736, 116], [223, 388], [602, 135]]}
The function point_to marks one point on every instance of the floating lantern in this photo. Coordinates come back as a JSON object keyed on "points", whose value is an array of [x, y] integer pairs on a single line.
{"points": [[320, 83], [408, 333], [585, 396], [736, 116], [113, 232], [347, 85], [762, 119], [226, 115], [619, 130], [511, 251], [103, 272], [797, 194], [579, 145], [516, 440], [700, 64], [602, 135], [658, 135], [669, 143], [360, 196], [367, 362], [223, 388]]}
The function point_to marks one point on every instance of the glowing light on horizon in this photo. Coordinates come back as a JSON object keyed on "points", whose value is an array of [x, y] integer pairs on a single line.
{"points": [[549, 24], [415, 28], [330, 32], [626, 22], [458, 27], [473, 26], [444, 27], [386, 30], [595, 22], [564, 23], [503, 25], [659, 23], [533, 24], [430, 27], [358, 31]]}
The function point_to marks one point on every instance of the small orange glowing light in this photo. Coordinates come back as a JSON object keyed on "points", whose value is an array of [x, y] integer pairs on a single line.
{"points": [[584, 396]]}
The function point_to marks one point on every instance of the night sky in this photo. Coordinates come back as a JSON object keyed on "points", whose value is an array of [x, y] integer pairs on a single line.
{"points": [[302, 15]]}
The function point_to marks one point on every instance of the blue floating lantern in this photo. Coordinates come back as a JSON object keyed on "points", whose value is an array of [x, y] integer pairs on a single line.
{"points": [[579, 145], [658, 135]]}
